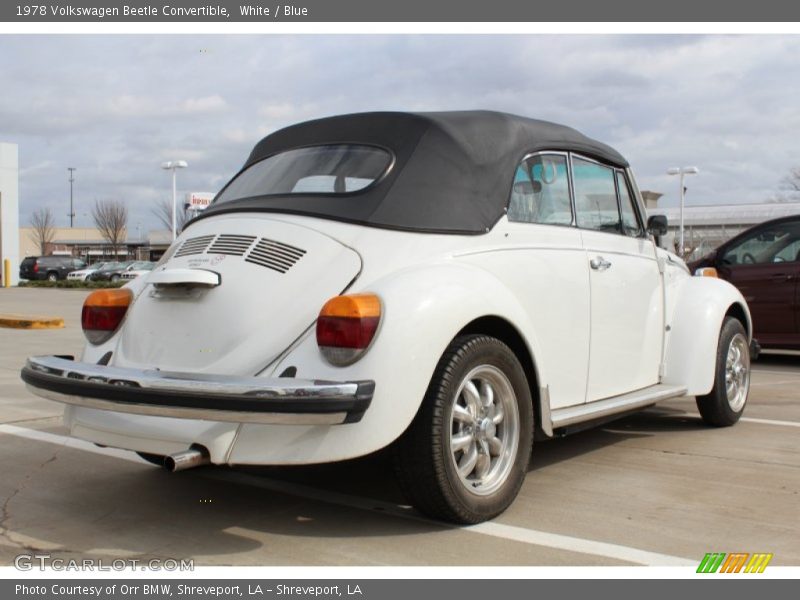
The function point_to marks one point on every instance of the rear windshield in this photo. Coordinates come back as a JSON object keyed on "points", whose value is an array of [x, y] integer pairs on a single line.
{"points": [[331, 169]]}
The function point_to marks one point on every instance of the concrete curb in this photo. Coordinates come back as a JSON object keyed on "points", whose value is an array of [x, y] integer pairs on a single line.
{"points": [[31, 322]]}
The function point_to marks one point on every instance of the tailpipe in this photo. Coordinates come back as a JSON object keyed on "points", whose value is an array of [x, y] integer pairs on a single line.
{"points": [[196, 456]]}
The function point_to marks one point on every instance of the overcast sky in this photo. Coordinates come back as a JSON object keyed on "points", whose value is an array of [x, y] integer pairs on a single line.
{"points": [[115, 107]]}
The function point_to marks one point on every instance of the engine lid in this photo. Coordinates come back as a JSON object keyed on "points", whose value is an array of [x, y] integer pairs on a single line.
{"points": [[236, 292]]}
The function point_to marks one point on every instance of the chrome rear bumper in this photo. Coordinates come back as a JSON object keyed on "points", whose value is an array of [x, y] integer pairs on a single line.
{"points": [[198, 396]]}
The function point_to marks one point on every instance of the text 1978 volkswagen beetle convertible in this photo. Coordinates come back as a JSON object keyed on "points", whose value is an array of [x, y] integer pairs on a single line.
{"points": [[454, 284]]}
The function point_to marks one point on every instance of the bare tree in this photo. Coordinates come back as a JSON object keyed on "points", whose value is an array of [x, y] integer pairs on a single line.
{"points": [[790, 184], [791, 181], [111, 219], [163, 211], [44, 228]]}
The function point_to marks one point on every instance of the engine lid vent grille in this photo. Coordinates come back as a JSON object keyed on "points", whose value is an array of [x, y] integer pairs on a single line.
{"points": [[235, 245], [274, 255], [195, 245]]}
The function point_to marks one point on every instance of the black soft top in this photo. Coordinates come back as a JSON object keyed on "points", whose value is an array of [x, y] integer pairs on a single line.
{"points": [[452, 171]]}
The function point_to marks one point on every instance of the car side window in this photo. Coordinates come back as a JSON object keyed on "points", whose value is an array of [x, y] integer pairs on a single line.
{"points": [[595, 196], [630, 221], [540, 192], [775, 244]]}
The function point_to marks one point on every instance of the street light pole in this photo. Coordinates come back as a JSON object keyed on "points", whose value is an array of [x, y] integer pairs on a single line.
{"points": [[71, 181], [682, 171], [173, 166]]}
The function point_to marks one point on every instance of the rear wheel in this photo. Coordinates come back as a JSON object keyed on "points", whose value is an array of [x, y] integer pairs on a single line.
{"points": [[115, 278], [465, 455], [52, 276], [725, 403]]}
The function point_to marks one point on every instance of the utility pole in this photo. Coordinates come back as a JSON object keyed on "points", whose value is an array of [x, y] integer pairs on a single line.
{"points": [[71, 214]]}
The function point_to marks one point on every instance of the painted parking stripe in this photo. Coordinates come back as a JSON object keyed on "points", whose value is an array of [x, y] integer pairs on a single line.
{"points": [[774, 422], [771, 422], [492, 529]]}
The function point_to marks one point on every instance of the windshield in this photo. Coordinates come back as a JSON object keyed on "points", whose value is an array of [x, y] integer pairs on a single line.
{"points": [[331, 169]]}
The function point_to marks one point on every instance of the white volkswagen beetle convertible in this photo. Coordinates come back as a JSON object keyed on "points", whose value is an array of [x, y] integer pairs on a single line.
{"points": [[451, 284]]}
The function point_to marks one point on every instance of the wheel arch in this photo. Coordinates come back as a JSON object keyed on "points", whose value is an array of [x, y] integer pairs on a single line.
{"points": [[503, 330], [738, 311], [699, 307]]}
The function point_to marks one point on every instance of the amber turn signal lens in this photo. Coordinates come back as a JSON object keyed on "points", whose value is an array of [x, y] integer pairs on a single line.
{"points": [[346, 326], [103, 312], [706, 272]]}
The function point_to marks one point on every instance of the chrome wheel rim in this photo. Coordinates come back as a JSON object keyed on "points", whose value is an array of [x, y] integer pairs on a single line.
{"points": [[484, 430], [737, 372]]}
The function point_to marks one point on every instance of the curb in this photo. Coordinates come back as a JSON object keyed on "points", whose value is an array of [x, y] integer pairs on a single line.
{"points": [[29, 322]]}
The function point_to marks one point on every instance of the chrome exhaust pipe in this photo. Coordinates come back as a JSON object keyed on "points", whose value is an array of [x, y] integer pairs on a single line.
{"points": [[195, 456]]}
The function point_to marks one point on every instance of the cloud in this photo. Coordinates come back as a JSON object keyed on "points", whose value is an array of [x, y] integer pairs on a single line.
{"points": [[117, 106]]}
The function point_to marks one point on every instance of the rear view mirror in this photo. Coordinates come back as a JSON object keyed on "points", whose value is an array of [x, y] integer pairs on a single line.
{"points": [[657, 225]]}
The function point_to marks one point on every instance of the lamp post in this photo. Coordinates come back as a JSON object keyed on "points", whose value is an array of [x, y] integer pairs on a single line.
{"points": [[71, 181], [682, 171], [174, 165]]}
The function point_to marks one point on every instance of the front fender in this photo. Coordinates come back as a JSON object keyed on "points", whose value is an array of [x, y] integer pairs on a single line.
{"points": [[423, 310], [699, 307]]}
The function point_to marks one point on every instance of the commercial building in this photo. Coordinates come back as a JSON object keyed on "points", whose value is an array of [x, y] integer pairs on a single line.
{"points": [[87, 243], [706, 227], [9, 213]]}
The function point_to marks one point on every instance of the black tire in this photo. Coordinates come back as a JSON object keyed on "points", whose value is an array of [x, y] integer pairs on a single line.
{"points": [[52, 276], [717, 408], [155, 459], [425, 465], [115, 278]]}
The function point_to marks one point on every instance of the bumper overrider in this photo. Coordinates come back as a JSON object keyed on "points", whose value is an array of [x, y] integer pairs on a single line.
{"points": [[197, 396]]}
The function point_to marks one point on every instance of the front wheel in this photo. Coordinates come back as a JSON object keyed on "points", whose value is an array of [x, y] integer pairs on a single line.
{"points": [[465, 455], [725, 403]]}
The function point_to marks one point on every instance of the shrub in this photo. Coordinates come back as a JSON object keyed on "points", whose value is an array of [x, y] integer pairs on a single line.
{"points": [[73, 285]]}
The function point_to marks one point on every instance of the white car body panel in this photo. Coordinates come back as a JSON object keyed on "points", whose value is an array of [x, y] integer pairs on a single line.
{"points": [[627, 315], [222, 330]]}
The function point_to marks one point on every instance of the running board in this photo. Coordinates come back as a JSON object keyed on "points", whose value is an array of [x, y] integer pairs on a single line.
{"points": [[610, 407]]}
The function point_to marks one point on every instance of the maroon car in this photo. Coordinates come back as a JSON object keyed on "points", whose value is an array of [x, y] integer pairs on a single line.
{"points": [[764, 263]]}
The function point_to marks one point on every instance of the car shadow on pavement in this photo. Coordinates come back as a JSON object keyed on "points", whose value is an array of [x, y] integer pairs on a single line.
{"points": [[643, 424]]}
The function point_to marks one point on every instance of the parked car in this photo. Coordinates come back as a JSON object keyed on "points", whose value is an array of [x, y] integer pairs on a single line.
{"points": [[50, 268], [764, 263], [114, 272], [83, 274], [449, 284], [110, 271], [142, 268]]}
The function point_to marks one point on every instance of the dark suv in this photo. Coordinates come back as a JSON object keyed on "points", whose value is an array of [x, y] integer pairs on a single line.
{"points": [[50, 268]]}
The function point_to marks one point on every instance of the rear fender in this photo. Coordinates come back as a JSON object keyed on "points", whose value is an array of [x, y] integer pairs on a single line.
{"points": [[423, 310]]}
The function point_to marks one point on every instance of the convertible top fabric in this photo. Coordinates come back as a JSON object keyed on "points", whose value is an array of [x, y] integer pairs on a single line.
{"points": [[452, 171]]}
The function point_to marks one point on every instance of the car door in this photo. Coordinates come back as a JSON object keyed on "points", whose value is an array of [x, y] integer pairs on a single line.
{"points": [[765, 266], [544, 265], [627, 317]]}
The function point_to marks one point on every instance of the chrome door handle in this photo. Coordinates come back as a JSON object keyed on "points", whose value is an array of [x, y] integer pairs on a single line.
{"points": [[599, 263]]}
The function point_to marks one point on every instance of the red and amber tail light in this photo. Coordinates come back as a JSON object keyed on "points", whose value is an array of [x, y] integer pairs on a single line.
{"points": [[103, 312], [346, 327]]}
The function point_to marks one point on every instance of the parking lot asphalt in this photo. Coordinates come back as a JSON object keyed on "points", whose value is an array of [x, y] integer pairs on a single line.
{"points": [[656, 488]]}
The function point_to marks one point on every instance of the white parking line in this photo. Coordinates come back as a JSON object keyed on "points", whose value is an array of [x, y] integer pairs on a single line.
{"points": [[771, 422], [492, 529]]}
